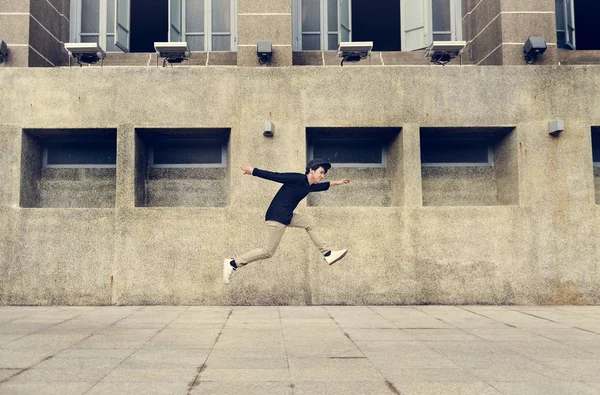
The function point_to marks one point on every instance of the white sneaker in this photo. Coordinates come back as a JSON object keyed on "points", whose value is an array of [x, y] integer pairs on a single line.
{"points": [[228, 270], [335, 256]]}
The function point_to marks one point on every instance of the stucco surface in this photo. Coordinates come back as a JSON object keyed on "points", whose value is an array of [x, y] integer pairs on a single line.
{"points": [[542, 249]]}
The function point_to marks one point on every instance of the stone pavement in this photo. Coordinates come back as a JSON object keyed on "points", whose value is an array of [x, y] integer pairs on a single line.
{"points": [[300, 350]]}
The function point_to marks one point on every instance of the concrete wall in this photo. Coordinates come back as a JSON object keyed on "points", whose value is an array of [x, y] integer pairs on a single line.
{"points": [[496, 30], [541, 249]]}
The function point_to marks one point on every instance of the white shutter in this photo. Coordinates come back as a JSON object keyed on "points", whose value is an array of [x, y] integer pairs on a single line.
{"points": [[122, 24], [345, 28], [175, 9], [570, 23], [415, 24]]}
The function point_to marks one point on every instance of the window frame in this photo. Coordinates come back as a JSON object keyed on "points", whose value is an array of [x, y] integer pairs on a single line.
{"points": [[382, 164], [489, 163], [75, 33], [222, 164]]}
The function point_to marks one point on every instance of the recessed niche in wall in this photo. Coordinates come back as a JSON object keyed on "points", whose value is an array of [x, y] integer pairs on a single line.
{"points": [[184, 167], [368, 156], [596, 159], [68, 168], [470, 166]]}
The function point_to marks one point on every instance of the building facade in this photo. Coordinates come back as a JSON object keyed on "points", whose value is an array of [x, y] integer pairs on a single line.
{"points": [[121, 180]]}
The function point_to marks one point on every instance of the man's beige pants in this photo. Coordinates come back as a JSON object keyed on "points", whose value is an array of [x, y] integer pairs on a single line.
{"points": [[275, 231]]}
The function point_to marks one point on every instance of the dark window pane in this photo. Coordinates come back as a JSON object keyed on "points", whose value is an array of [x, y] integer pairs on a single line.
{"points": [[475, 152], [596, 147], [187, 153], [349, 151], [76, 153]]}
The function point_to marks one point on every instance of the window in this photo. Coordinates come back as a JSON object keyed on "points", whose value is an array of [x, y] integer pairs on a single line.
{"points": [[134, 25], [319, 25], [349, 153], [456, 152], [186, 152], [79, 153], [576, 24], [596, 146]]}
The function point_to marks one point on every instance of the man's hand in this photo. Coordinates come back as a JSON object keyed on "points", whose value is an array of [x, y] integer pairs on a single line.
{"points": [[339, 182], [247, 169]]}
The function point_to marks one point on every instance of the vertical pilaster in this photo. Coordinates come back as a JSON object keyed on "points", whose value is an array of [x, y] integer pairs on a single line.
{"points": [[264, 20]]}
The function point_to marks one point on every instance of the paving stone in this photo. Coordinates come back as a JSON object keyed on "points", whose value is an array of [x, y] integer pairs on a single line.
{"points": [[544, 388], [441, 334], [45, 388], [139, 388], [333, 369], [210, 374], [341, 388], [165, 358], [446, 388], [243, 388]]}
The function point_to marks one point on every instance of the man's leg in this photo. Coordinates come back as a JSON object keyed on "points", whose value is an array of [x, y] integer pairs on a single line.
{"points": [[275, 231], [308, 223]]}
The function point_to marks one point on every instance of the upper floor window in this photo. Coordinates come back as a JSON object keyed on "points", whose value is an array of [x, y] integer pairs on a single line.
{"points": [[319, 25], [134, 25], [576, 22]]}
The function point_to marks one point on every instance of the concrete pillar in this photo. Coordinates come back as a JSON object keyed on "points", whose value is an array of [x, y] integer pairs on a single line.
{"points": [[411, 146], [126, 169], [264, 20], [9, 161]]}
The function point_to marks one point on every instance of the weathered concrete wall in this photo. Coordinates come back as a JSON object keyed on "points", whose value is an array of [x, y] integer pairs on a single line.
{"points": [[542, 249]]}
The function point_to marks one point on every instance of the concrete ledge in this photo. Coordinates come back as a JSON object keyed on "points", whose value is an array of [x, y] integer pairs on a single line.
{"points": [[568, 57]]}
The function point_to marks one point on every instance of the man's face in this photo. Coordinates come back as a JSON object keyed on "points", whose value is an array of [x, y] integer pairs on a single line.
{"points": [[317, 175]]}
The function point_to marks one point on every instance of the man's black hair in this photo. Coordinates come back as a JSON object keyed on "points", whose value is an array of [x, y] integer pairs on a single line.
{"points": [[315, 168]]}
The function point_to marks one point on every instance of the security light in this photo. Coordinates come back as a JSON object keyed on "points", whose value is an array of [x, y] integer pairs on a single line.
{"points": [[533, 47], [441, 52], [85, 52], [354, 51], [172, 52], [3, 51], [268, 129], [264, 51], [556, 127]]}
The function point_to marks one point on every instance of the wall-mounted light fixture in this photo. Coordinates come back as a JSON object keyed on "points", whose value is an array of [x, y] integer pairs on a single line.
{"points": [[442, 52], [533, 47], [85, 53], [268, 129], [556, 127], [354, 51], [264, 51], [171, 52]]}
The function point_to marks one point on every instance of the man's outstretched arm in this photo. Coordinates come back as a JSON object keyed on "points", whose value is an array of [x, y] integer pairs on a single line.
{"points": [[272, 176], [343, 181]]}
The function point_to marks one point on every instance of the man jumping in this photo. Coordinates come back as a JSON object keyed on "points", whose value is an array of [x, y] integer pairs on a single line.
{"points": [[296, 186]]}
